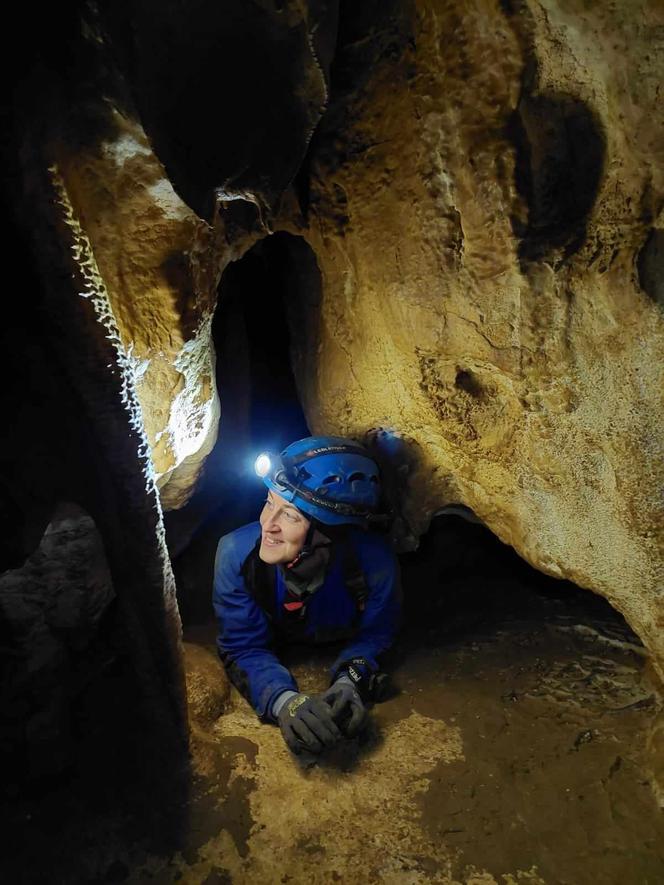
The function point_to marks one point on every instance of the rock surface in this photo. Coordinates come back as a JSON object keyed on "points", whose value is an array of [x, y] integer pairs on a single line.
{"points": [[484, 203], [483, 188], [51, 609], [208, 688]]}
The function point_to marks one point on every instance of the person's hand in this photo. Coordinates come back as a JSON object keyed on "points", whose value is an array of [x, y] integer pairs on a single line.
{"points": [[346, 707], [307, 723]]}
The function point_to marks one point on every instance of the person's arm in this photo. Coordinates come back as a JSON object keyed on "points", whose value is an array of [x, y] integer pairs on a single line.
{"points": [[380, 620], [245, 637]]}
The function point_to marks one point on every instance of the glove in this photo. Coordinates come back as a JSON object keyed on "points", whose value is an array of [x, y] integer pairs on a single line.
{"points": [[307, 724], [346, 706]]}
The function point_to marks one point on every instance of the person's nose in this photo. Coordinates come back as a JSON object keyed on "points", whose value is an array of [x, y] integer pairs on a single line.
{"points": [[271, 524]]}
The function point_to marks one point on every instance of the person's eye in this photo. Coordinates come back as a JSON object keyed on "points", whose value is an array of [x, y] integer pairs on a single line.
{"points": [[292, 517], [268, 503]]}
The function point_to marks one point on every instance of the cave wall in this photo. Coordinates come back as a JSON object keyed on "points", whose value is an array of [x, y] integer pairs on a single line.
{"points": [[155, 135], [482, 189], [110, 371], [51, 611], [155, 258], [73, 429], [483, 195]]}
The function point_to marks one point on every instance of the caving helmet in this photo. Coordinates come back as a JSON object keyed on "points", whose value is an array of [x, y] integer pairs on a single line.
{"points": [[328, 478]]}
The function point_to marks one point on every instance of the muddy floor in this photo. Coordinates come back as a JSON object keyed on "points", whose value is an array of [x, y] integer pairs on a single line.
{"points": [[515, 755], [512, 750]]}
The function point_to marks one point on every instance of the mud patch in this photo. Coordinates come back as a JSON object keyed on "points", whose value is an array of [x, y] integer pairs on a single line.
{"points": [[553, 776], [513, 752]]}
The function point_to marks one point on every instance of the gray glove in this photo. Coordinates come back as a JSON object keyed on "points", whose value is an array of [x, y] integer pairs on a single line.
{"points": [[346, 706], [307, 724]]}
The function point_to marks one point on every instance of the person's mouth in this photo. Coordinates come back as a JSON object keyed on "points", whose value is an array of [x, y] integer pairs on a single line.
{"points": [[270, 542]]}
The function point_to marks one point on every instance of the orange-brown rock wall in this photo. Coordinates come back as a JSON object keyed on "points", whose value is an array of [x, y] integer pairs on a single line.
{"points": [[159, 269], [478, 211]]}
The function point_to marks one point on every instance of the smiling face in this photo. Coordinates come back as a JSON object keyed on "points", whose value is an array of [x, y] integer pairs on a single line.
{"points": [[283, 530]]}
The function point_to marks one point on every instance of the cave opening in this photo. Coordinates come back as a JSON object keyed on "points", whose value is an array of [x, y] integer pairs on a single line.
{"points": [[462, 579], [261, 304]]}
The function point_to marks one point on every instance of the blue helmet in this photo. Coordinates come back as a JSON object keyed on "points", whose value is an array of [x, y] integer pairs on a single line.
{"points": [[331, 479]]}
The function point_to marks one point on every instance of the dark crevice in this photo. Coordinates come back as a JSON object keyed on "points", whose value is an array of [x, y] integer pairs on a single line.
{"points": [[560, 156], [650, 266], [465, 380], [463, 580], [260, 299]]}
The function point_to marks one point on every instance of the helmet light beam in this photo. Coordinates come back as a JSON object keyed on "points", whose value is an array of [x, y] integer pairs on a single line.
{"points": [[263, 464]]}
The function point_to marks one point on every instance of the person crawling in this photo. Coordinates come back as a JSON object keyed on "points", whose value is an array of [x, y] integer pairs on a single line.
{"points": [[309, 571]]}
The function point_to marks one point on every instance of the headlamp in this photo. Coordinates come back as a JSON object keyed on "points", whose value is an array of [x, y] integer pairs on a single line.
{"points": [[262, 465]]}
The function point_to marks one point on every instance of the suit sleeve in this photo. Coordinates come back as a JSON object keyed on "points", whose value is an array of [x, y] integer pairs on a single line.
{"points": [[381, 618], [245, 639]]}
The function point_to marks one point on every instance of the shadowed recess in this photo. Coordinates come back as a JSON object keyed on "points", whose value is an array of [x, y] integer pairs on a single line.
{"points": [[264, 300], [560, 151], [650, 265]]}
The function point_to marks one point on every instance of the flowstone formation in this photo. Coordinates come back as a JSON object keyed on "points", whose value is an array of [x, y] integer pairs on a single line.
{"points": [[485, 208]]}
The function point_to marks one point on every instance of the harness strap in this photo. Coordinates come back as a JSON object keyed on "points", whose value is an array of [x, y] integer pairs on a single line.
{"points": [[354, 579]]}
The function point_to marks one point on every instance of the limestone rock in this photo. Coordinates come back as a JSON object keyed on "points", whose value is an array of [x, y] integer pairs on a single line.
{"points": [[208, 688], [153, 254], [483, 186]]}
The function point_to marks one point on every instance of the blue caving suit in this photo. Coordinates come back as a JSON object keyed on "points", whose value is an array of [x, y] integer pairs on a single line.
{"points": [[247, 633]]}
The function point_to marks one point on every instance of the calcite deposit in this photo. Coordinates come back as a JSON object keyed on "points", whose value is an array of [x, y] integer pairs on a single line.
{"points": [[154, 256]]}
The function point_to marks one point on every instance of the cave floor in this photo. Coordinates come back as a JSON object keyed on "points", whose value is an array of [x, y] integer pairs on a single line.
{"points": [[513, 751]]}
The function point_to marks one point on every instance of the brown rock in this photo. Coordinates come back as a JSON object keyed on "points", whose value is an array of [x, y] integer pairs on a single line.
{"points": [[479, 204], [208, 688], [485, 207]]}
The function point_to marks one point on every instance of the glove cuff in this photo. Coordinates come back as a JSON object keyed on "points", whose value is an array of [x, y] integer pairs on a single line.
{"points": [[280, 700], [360, 674], [344, 678]]}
